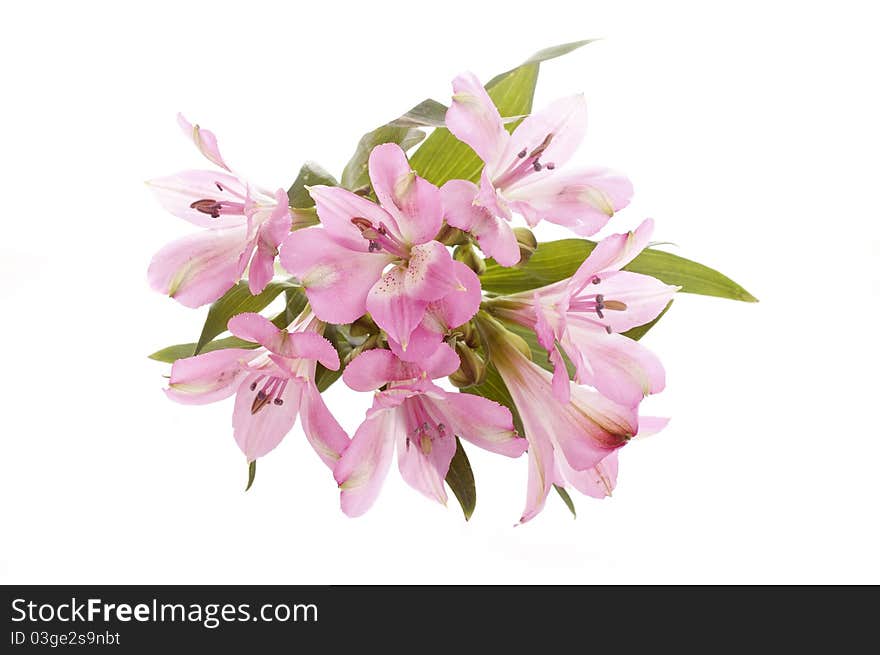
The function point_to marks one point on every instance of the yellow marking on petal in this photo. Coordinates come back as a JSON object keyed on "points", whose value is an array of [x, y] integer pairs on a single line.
{"points": [[426, 444], [598, 199]]}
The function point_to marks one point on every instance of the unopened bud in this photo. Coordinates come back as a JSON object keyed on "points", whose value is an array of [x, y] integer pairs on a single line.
{"points": [[450, 236], [468, 256], [375, 341], [472, 370], [527, 244], [468, 334], [362, 327]]}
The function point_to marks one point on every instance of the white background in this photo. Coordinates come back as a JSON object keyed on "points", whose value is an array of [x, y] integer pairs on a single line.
{"points": [[751, 134]]}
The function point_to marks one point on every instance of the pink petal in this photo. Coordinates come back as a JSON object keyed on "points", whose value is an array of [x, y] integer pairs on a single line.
{"points": [[582, 201], [481, 421], [363, 466], [262, 268], [489, 197], [565, 119], [541, 476], [430, 274], [394, 309], [585, 429], [602, 424], [204, 140], [178, 192], [337, 280], [292, 345], [473, 118], [201, 267], [257, 434], [560, 383], [454, 309], [613, 253], [619, 368], [651, 425], [337, 206], [494, 235], [414, 202], [443, 362], [546, 324], [208, 377], [459, 305], [321, 428], [374, 368], [644, 296], [424, 462], [423, 342], [597, 482]]}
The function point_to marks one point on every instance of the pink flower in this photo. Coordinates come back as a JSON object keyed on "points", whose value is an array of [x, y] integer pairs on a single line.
{"points": [[342, 263], [441, 316], [421, 419], [244, 224], [521, 172], [584, 314], [567, 440], [273, 384]]}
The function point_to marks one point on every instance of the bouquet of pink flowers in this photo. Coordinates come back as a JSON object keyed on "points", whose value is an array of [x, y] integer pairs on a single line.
{"points": [[409, 269]]}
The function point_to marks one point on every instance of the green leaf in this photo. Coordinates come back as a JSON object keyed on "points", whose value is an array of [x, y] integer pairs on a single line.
{"points": [[546, 54], [171, 354], [566, 499], [689, 275], [355, 175], [428, 113], [236, 301], [460, 479], [310, 174], [639, 331], [442, 157], [296, 302], [557, 260], [252, 473]]}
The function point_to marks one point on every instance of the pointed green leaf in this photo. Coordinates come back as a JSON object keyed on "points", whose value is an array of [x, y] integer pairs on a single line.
{"points": [[237, 301], [460, 479], [544, 55], [171, 354], [639, 331], [310, 174], [557, 260], [566, 499], [296, 302], [252, 474]]}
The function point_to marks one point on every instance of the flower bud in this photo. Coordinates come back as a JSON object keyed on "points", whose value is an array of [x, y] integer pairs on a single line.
{"points": [[468, 334], [362, 327], [375, 341], [527, 244], [468, 256], [450, 236], [472, 370]]}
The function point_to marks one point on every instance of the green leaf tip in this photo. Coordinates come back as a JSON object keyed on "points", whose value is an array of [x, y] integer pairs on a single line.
{"points": [[460, 479], [252, 473], [566, 499]]}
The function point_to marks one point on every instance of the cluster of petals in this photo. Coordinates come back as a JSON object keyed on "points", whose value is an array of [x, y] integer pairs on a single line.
{"points": [[381, 255]]}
